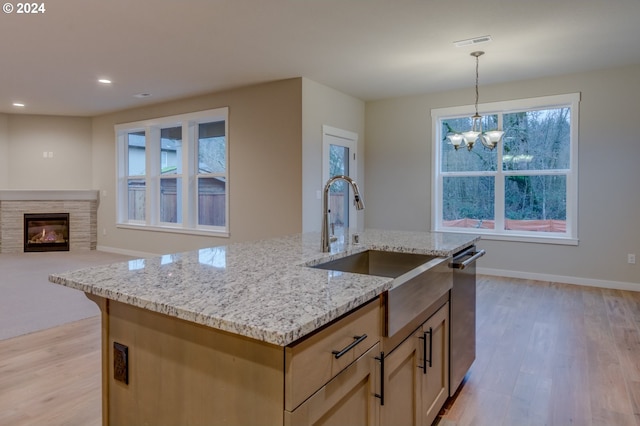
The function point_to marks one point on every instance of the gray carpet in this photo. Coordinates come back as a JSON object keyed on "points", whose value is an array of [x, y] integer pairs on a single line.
{"points": [[29, 302]]}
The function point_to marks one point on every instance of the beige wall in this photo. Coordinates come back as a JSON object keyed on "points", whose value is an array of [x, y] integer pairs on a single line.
{"points": [[267, 159], [398, 162], [265, 152], [4, 151], [275, 133], [23, 139], [322, 105]]}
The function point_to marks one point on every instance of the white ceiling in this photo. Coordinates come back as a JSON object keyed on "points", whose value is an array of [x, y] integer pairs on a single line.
{"points": [[370, 49]]}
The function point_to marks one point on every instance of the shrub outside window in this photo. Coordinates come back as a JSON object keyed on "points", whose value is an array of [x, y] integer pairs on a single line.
{"points": [[526, 188]]}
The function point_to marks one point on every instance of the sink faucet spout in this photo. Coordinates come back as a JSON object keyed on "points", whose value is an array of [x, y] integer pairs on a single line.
{"points": [[359, 202]]}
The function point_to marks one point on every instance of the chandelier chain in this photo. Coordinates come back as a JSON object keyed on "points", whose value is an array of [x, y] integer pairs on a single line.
{"points": [[489, 139], [477, 79]]}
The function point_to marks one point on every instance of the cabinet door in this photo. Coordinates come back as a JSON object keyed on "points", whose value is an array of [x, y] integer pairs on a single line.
{"points": [[402, 383], [348, 399], [435, 383]]}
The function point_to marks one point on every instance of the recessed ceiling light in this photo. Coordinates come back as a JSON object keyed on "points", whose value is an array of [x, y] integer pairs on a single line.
{"points": [[473, 41], [18, 104], [142, 95], [104, 81]]}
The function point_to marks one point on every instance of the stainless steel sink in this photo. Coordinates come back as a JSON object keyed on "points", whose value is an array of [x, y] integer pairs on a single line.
{"points": [[376, 262], [419, 280]]}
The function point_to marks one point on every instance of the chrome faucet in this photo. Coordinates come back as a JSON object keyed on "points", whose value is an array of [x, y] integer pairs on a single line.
{"points": [[326, 240]]}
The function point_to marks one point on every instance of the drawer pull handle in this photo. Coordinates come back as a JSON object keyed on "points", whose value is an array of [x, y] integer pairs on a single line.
{"points": [[424, 351], [381, 394], [426, 363], [430, 345], [356, 340], [475, 255]]}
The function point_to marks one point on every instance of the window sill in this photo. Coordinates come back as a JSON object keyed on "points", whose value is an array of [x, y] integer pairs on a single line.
{"points": [[175, 230], [523, 238]]}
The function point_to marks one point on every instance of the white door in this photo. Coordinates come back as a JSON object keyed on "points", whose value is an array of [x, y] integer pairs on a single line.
{"points": [[339, 158]]}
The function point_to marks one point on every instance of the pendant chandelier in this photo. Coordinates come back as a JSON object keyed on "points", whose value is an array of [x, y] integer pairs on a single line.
{"points": [[489, 139]]}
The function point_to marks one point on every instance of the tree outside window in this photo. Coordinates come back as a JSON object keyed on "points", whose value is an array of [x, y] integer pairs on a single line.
{"points": [[525, 186]]}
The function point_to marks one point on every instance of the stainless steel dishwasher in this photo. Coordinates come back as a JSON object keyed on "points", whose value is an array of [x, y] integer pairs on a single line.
{"points": [[462, 316]]}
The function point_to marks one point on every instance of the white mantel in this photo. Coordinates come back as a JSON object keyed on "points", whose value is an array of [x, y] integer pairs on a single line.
{"points": [[47, 195], [82, 206]]}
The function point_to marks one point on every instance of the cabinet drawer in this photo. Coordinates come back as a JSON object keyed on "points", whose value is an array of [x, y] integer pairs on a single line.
{"points": [[348, 399], [312, 362]]}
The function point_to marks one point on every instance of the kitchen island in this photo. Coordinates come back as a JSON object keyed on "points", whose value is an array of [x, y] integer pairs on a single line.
{"points": [[221, 335]]}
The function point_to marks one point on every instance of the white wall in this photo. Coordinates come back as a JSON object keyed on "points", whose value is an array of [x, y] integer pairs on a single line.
{"points": [[398, 163], [322, 105]]}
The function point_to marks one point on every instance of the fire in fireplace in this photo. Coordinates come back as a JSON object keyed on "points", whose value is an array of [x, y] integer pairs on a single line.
{"points": [[46, 232]]}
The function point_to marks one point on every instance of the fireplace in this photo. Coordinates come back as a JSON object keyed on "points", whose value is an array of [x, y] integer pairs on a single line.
{"points": [[46, 232]]}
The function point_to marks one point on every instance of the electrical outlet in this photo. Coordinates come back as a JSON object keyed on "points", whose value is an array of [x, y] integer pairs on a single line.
{"points": [[631, 258], [121, 362]]}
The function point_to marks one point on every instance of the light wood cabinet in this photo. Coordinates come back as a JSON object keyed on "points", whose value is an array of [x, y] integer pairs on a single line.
{"points": [[416, 374], [435, 383], [401, 383], [184, 373], [316, 359], [348, 399], [180, 372]]}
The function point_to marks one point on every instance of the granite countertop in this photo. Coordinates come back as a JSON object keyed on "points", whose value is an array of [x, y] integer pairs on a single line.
{"points": [[262, 289]]}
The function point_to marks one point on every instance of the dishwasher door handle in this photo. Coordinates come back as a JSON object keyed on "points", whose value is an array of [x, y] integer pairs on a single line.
{"points": [[461, 265]]}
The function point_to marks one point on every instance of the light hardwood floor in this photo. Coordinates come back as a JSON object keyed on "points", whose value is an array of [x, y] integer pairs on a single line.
{"points": [[551, 354], [52, 377], [548, 354]]}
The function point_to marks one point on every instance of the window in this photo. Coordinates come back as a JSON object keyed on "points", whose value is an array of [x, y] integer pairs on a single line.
{"points": [[526, 188], [170, 175], [173, 173], [212, 174], [136, 172]]}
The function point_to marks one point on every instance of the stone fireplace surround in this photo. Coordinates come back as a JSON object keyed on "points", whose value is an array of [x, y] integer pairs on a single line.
{"points": [[82, 206]]}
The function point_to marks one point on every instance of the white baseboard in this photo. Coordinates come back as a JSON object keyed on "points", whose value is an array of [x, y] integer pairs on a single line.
{"points": [[132, 253], [616, 285]]}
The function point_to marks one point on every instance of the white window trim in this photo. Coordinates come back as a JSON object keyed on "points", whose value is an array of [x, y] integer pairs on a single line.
{"points": [[571, 100], [189, 200], [350, 140]]}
